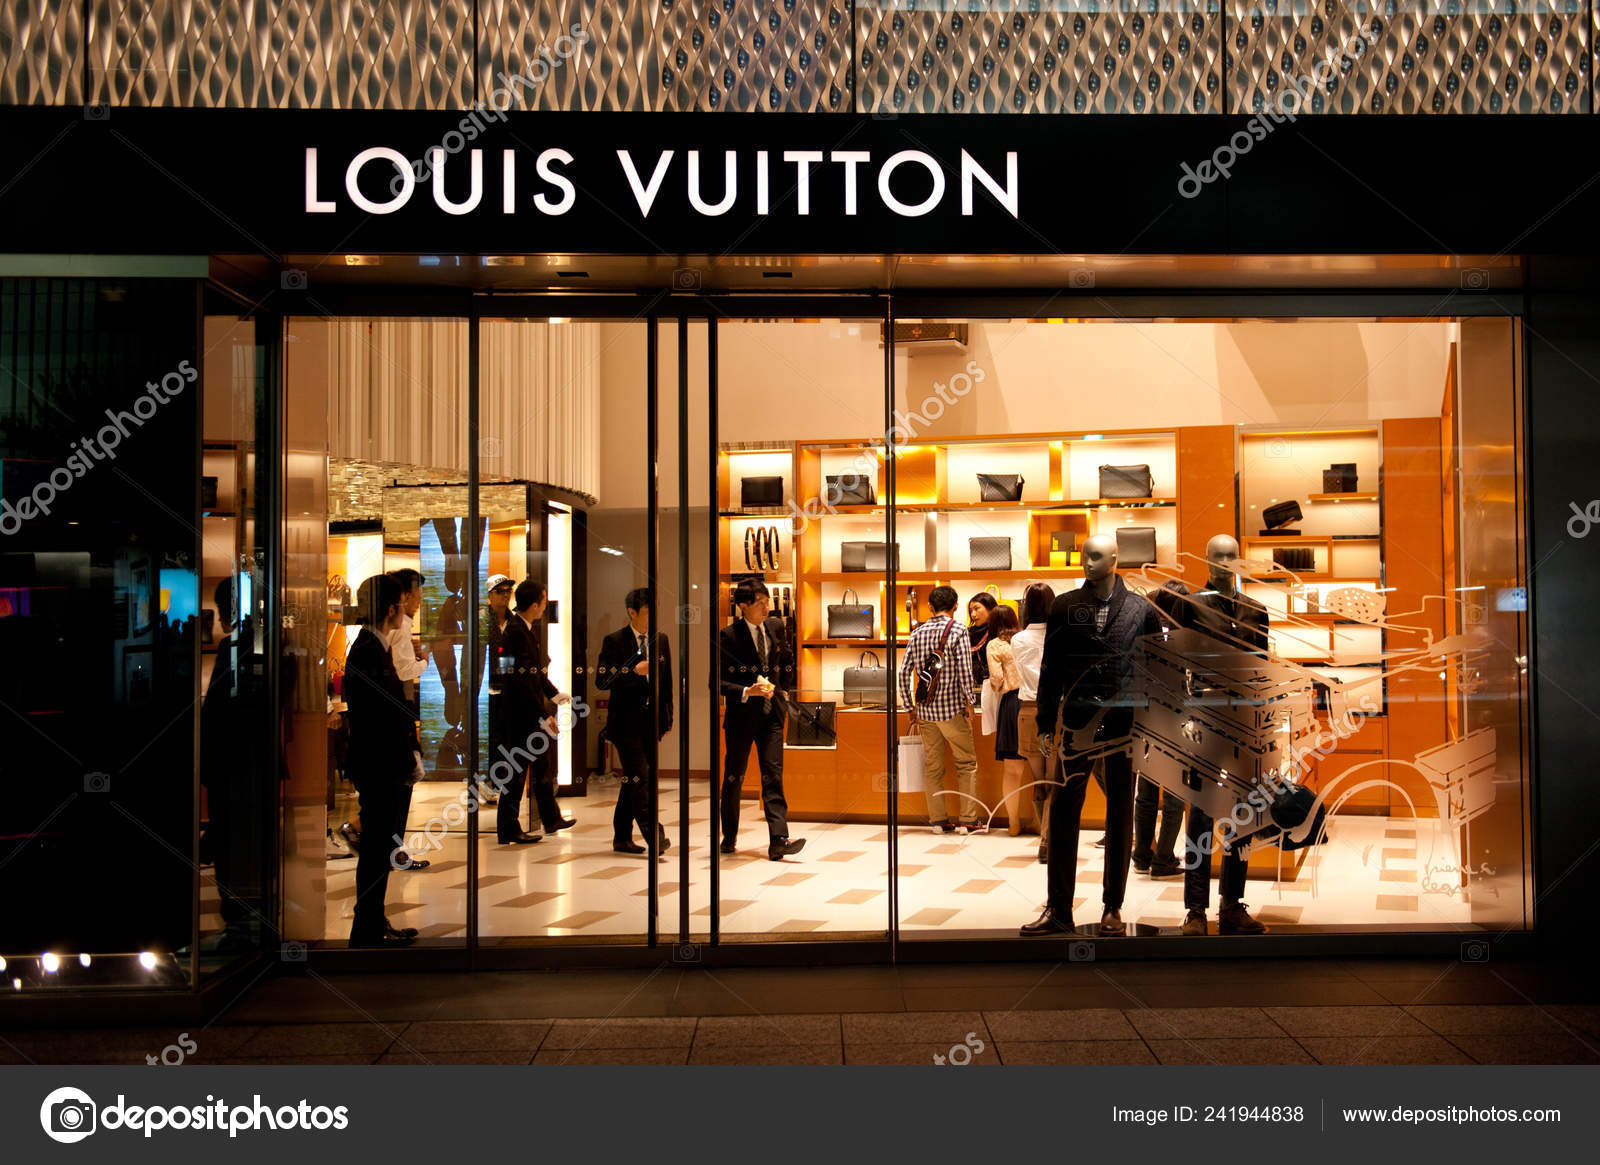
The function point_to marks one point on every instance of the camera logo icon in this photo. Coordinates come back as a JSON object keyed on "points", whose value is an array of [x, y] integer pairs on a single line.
{"points": [[97, 782], [1080, 952], [686, 279], [1081, 279], [1475, 951], [688, 614], [68, 1115], [98, 111], [292, 279], [685, 953], [1474, 279]]}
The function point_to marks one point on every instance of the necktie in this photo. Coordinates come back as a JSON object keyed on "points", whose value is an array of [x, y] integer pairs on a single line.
{"points": [[761, 663]]}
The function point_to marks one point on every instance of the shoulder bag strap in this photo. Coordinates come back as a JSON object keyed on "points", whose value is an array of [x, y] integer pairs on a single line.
{"points": [[849, 596]]}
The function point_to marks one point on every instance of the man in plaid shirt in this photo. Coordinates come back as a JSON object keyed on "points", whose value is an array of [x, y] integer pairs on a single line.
{"points": [[947, 717]]}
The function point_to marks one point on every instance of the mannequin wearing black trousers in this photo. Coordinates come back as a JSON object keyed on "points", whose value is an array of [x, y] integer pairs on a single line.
{"points": [[1091, 641], [1224, 613]]}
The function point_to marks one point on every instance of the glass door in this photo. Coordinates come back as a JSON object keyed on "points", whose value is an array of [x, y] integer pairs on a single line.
{"points": [[798, 742]]}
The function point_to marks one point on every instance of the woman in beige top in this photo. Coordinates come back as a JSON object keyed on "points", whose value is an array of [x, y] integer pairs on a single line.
{"points": [[1005, 681]]}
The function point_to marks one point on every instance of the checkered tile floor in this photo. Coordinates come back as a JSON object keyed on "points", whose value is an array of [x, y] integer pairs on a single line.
{"points": [[1370, 874]]}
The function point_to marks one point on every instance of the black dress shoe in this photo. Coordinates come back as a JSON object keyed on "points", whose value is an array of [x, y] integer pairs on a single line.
{"points": [[351, 835], [729, 847], [406, 932], [1049, 922], [627, 847], [522, 839], [662, 843], [380, 941], [563, 823], [1166, 869], [782, 847], [412, 863]]}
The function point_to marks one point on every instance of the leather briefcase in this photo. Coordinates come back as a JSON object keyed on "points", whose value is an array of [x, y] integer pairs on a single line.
{"points": [[1126, 481], [850, 618], [850, 490], [1000, 487], [761, 491], [858, 557], [866, 683], [1136, 545], [810, 724], [1281, 514], [1339, 478], [989, 553]]}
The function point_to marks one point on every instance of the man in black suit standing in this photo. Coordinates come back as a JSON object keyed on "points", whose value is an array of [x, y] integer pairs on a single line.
{"points": [[754, 651], [531, 698], [383, 756], [633, 723]]}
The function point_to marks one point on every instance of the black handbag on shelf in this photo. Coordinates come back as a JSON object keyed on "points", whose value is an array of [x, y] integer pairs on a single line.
{"points": [[1000, 487], [851, 489], [809, 724], [1281, 514], [1126, 481], [989, 553], [863, 557], [1296, 558], [761, 491], [1136, 545], [866, 683], [850, 618]]}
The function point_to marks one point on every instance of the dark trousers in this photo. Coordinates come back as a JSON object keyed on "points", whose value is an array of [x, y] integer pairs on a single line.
{"points": [[541, 775], [1197, 862], [1145, 802], [765, 733], [633, 795], [381, 806], [1066, 813]]}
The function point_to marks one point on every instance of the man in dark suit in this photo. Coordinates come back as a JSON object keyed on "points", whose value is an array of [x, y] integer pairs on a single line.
{"points": [[755, 654], [382, 758], [1090, 644], [633, 723], [530, 699]]}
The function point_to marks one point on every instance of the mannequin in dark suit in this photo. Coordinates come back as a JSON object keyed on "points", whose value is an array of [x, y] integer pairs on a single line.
{"points": [[757, 669], [633, 723], [1224, 612], [1088, 662], [383, 737], [530, 711]]}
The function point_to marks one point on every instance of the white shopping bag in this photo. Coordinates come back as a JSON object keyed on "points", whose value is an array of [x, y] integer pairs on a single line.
{"points": [[910, 764]]}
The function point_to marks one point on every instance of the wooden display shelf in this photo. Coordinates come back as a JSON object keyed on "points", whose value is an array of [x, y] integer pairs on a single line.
{"points": [[845, 642], [756, 512], [1025, 506], [1364, 496]]}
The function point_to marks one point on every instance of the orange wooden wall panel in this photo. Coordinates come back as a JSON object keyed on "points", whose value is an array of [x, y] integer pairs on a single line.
{"points": [[1206, 501]]}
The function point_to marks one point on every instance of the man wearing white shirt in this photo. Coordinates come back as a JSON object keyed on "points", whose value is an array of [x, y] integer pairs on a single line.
{"points": [[410, 661]]}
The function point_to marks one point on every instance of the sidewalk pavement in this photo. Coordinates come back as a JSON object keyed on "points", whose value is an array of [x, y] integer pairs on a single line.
{"points": [[1379, 1011]]}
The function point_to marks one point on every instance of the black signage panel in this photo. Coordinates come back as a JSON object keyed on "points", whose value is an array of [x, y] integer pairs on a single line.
{"points": [[111, 180]]}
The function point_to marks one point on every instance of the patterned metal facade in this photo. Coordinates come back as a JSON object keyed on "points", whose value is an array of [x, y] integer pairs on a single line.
{"points": [[790, 56], [879, 57], [1071, 56], [1438, 56]]}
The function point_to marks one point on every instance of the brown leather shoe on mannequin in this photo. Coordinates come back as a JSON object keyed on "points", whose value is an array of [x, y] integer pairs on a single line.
{"points": [[1194, 923], [1049, 922], [1234, 918], [1111, 924]]}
